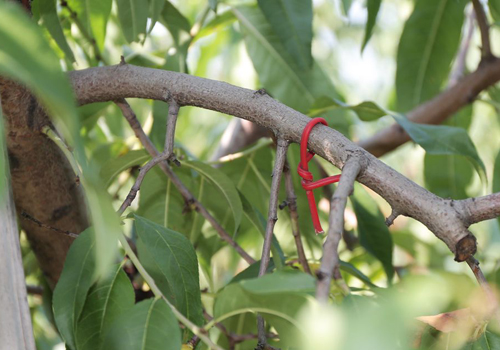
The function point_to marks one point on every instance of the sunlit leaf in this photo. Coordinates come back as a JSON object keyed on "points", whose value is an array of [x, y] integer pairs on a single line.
{"points": [[155, 10], [494, 6], [353, 271], [170, 259], [291, 20], [150, 324], [213, 4], [76, 279], [426, 50], [373, 8], [110, 298]]}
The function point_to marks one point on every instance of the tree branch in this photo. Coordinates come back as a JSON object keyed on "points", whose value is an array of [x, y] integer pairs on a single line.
{"points": [[291, 202], [484, 28], [330, 261], [478, 209], [272, 217], [404, 196], [173, 112], [130, 116]]}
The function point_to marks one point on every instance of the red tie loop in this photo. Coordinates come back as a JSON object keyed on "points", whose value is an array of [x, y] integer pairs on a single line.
{"points": [[307, 177]]}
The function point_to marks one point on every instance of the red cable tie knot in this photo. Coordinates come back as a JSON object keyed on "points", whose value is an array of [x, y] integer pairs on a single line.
{"points": [[307, 177]]}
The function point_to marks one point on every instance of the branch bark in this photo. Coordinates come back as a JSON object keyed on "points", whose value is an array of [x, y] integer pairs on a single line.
{"points": [[404, 196], [484, 28], [330, 262], [480, 208]]}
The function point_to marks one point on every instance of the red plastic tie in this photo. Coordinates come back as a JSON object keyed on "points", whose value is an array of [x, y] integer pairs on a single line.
{"points": [[307, 177]]}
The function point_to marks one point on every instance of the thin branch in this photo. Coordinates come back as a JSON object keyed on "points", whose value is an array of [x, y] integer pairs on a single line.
{"points": [[330, 261], [130, 116], [484, 28], [272, 217], [27, 216], [291, 200], [485, 286], [200, 332], [479, 209], [173, 112], [34, 290]]}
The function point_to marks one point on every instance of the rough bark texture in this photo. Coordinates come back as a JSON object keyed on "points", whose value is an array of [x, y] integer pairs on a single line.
{"points": [[407, 198], [44, 185]]}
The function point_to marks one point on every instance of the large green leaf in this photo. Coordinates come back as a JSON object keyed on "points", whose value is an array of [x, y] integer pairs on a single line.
{"points": [[115, 166], [170, 259], [278, 297], [224, 184], [428, 45], [374, 235], [373, 8], [26, 57], [443, 139], [487, 341], [155, 10], [48, 15], [110, 298], [150, 324], [133, 17], [76, 279], [291, 20], [494, 6], [277, 70]]}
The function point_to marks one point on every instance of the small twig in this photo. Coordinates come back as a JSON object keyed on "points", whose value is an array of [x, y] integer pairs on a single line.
{"points": [[291, 200], [485, 286], [484, 28], [130, 116], [460, 62], [390, 219], [330, 261], [173, 112], [272, 217], [34, 290], [41, 224]]}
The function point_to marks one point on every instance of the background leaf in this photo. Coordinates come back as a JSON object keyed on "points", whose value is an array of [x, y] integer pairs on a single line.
{"points": [[114, 167], [170, 259], [374, 235], [373, 7], [133, 17], [426, 49], [150, 324]]}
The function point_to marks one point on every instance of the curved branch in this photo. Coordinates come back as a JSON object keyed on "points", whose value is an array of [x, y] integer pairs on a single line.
{"points": [[484, 28], [406, 197], [480, 208]]}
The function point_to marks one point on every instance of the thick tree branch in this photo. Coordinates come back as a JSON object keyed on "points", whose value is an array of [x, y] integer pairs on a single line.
{"points": [[291, 202], [130, 116], [480, 208], [404, 196], [330, 262], [484, 28], [438, 109]]}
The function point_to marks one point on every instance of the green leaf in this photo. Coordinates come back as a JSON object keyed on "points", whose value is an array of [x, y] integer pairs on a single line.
{"points": [[268, 296], [442, 139], [494, 6], [155, 10], [258, 221], [133, 17], [117, 165], [216, 24], [374, 235], [346, 6], [426, 50], [291, 20], [224, 184], [487, 341], [179, 27], [252, 271], [77, 277], [373, 8], [277, 70], [110, 298], [352, 270], [170, 259], [213, 5], [150, 324], [48, 15], [366, 111]]}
